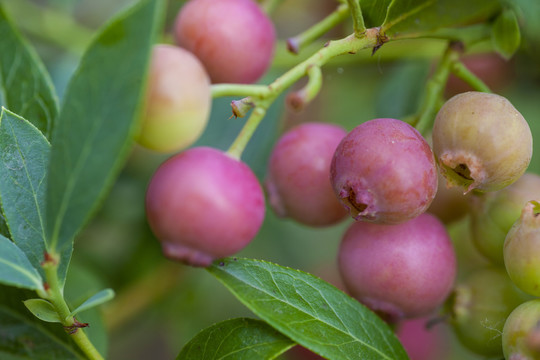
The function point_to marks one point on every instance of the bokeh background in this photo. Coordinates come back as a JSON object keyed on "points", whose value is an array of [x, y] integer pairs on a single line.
{"points": [[160, 305]]}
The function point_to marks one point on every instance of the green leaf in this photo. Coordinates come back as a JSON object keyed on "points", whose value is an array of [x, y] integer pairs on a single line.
{"points": [[25, 86], [308, 310], [374, 11], [100, 298], [15, 269], [24, 161], [237, 339], [42, 309], [4, 231], [25, 337], [506, 36], [96, 125], [406, 18]]}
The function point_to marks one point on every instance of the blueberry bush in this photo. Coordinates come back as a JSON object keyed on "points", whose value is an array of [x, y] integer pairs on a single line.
{"points": [[269, 179]]}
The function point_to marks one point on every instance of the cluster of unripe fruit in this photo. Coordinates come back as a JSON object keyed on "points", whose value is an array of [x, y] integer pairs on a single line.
{"points": [[203, 204]]}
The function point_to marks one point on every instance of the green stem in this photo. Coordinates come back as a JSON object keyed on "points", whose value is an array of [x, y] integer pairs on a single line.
{"points": [[358, 19], [469, 77], [297, 100], [295, 44], [220, 90], [241, 141], [56, 298], [348, 45], [434, 90]]}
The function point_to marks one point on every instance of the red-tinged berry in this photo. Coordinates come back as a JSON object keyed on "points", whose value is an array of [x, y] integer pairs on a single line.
{"points": [[383, 171], [203, 204], [234, 39], [298, 182], [403, 270]]}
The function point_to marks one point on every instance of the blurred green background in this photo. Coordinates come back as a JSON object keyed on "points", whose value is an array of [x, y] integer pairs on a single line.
{"points": [[161, 305]]}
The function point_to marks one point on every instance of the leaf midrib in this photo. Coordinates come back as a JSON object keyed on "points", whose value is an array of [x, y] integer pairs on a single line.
{"points": [[300, 310]]}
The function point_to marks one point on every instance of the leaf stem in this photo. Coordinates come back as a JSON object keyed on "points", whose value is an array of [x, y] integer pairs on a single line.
{"points": [[435, 88], [358, 19], [296, 43], [56, 297], [461, 71]]}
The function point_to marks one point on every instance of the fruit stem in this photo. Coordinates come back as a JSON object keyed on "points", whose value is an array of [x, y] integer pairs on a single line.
{"points": [[54, 295], [348, 45], [461, 71], [435, 88], [298, 42], [297, 100], [220, 90], [358, 19], [241, 141]]}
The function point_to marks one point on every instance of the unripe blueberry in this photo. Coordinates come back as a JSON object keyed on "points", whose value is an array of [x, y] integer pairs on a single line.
{"points": [[384, 171], [479, 306], [233, 38], [403, 270], [203, 204], [481, 142], [178, 100], [449, 204], [522, 250], [298, 182], [493, 214], [521, 332]]}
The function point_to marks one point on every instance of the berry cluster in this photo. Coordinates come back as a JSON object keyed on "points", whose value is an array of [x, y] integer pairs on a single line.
{"points": [[203, 203]]}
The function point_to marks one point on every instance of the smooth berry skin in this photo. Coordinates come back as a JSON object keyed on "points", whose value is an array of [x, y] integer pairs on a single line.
{"points": [[203, 204], [479, 306], [234, 39], [494, 214], [521, 333], [298, 181], [481, 142], [400, 271], [178, 100], [383, 171], [421, 342], [522, 250]]}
